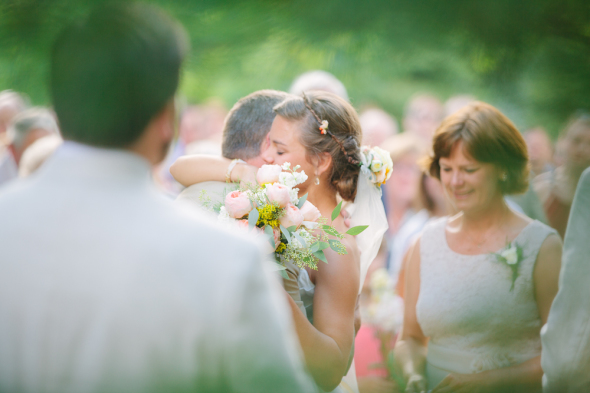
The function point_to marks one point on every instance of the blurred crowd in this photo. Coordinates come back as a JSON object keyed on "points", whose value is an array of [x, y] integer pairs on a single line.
{"points": [[29, 135]]}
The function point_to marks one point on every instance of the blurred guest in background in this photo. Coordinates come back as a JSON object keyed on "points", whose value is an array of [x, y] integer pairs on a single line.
{"points": [[122, 291], [556, 189], [401, 190], [38, 153], [24, 129], [377, 126], [566, 337], [11, 104], [318, 80], [422, 116], [540, 150], [479, 285], [454, 103]]}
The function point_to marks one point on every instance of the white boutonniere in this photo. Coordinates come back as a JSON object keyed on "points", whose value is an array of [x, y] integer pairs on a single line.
{"points": [[511, 256]]}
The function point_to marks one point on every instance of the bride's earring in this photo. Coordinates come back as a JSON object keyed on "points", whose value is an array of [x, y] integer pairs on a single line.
{"points": [[317, 181]]}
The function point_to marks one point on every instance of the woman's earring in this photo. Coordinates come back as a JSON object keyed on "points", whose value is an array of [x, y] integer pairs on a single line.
{"points": [[317, 181]]}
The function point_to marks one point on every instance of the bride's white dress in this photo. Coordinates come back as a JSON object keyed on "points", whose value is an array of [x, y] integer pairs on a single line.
{"points": [[474, 321]]}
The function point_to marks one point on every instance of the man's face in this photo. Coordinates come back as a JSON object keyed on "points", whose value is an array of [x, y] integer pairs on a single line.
{"points": [[258, 161]]}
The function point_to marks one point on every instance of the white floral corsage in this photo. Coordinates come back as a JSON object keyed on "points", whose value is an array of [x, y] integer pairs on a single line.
{"points": [[378, 163], [511, 256]]}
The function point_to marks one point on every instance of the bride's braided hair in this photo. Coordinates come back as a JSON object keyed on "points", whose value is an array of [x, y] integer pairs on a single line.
{"points": [[341, 138]]}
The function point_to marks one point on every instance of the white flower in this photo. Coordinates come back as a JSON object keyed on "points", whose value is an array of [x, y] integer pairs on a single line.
{"points": [[325, 124], [510, 255], [297, 168], [306, 236], [287, 179], [300, 177], [294, 195], [223, 214], [286, 166], [376, 165], [379, 280]]}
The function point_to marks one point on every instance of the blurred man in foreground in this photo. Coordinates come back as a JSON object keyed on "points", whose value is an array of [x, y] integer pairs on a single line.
{"points": [[105, 286]]}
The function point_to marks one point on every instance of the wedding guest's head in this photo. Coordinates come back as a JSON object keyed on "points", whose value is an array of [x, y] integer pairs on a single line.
{"points": [[247, 125], [406, 150], [540, 150], [479, 156], [11, 104], [576, 144], [38, 153], [423, 115], [318, 80], [27, 127], [114, 75], [377, 126], [330, 158]]}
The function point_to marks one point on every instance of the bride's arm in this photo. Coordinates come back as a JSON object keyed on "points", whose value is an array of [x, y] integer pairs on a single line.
{"points": [[410, 349], [189, 170], [327, 344], [524, 377]]}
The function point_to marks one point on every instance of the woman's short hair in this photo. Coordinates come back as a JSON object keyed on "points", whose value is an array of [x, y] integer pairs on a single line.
{"points": [[343, 124], [488, 136]]}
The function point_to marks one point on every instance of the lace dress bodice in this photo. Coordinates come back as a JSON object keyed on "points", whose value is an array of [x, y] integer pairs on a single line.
{"points": [[466, 305]]}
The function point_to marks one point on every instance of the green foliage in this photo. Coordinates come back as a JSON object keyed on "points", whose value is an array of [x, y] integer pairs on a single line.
{"points": [[336, 211], [356, 230], [531, 59]]}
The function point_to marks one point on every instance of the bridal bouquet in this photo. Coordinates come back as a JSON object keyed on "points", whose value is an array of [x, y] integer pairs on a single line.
{"points": [[294, 227]]}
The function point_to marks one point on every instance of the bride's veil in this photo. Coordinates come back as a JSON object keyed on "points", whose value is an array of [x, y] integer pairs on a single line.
{"points": [[368, 210]]}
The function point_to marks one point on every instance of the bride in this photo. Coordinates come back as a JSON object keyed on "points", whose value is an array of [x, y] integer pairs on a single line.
{"points": [[321, 133]]}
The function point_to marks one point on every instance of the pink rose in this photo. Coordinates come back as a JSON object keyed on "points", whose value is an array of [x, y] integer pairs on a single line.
{"points": [[237, 204], [310, 212], [242, 224], [292, 217], [268, 174], [278, 193]]}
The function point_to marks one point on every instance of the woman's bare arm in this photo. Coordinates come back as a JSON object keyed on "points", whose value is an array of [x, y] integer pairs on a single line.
{"points": [[327, 344], [189, 170]]}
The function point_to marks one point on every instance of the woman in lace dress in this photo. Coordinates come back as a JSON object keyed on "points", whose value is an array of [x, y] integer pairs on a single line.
{"points": [[472, 319]]}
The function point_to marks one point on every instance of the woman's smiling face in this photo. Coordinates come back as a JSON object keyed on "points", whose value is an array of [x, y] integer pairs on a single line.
{"points": [[284, 146], [469, 184]]}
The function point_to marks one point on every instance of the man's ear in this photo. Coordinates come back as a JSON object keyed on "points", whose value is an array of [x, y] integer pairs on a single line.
{"points": [[165, 121], [324, 163]]}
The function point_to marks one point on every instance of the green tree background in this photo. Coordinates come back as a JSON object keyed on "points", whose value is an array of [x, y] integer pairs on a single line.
{"points": [[529, 58]]}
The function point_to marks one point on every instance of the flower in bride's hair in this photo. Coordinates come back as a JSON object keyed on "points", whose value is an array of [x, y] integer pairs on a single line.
{"points": [[237, 204], [310, 212], [292, 216], [278, 193], [378, 163], [324, 124], [268, 174]]}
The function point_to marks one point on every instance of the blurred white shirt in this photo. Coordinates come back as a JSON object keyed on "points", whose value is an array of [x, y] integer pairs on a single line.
{"points": [[105, 286]]}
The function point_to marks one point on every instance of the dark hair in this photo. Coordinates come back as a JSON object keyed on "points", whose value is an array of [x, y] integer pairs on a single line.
{"points": [[342, 141], [112, 72], [248, 123], [489, 137]]}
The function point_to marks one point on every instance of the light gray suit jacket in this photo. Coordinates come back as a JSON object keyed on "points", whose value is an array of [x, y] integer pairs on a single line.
{"points": [[105, 286], [566, 336]]}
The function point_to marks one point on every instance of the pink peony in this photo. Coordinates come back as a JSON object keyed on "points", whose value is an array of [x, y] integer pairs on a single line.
{"points": [[237, 204], [242, 224], [268, 174], [292, 217], [277, 235], [278, 193], [310, 212]]}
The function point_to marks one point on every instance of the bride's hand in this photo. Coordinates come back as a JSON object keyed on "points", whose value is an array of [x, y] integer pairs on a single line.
{"points": [[245, 174], [416, 384]]}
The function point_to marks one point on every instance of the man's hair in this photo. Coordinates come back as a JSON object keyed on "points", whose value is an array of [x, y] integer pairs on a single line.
{"points": [[248, 123], [112, 72], [28, 120]]}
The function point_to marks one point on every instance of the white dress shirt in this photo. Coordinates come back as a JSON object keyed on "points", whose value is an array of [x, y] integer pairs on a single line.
{"points": [[105, 286], [566, 336]]}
